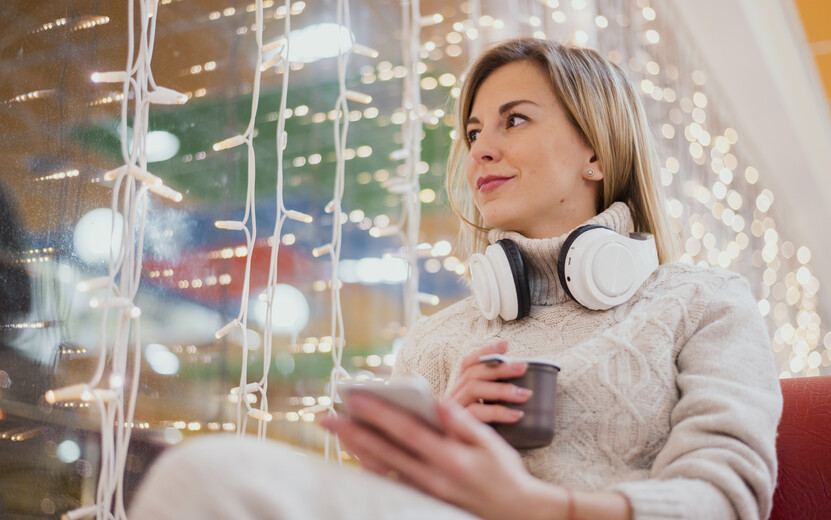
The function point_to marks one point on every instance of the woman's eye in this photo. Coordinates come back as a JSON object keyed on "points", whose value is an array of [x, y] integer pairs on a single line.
{"points": [[472, 135], [516, 119]]}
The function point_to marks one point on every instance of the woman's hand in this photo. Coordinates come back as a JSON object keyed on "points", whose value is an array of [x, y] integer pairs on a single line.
{"points": [[468, 464], [477, 382]]}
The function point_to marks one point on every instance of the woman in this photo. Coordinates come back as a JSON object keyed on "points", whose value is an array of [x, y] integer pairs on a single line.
{"points": [[667, 403]]}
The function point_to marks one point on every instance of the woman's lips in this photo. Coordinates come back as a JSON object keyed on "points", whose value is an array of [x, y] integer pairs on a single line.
{"points": [[492, 184]]}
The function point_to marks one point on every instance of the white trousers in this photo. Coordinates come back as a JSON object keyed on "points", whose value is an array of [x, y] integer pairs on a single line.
{"points": [[230, 478]]}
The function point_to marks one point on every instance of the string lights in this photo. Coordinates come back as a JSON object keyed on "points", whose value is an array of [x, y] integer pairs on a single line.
{"points": [[341, 128], [244, 408], [723, 215], [131, 183]]}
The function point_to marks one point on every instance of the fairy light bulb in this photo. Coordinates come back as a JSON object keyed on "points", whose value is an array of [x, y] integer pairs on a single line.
{"points": [[138, 173], [166, 96], [322, 250], [314, 409], [249, 388], [81, 513], [400, 154], [378, 232], [79, 392], [94, 284], [429, 299], [363, 50], [114, 301], [118, 302], [358, 97], [279, 43], [115, 76], [165, 192], [233, 225], [398, 185], [224, 331], [431, 19], [299, 216], [260, 415], [430, 118], [231, 142], [271, 62]]}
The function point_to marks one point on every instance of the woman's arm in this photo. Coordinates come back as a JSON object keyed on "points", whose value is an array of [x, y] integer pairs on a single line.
{"points": [[468, 464], [720, 458]]}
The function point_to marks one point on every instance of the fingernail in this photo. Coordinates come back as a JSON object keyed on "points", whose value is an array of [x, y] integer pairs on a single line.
{"points": [[524, 392], [516, 414]]}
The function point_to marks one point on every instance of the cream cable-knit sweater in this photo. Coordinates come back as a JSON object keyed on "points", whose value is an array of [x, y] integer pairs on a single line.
{"points": [[671, 398]]}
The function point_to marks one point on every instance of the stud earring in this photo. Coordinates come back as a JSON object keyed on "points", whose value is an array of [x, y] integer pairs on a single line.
{"points": [[590, 172]]}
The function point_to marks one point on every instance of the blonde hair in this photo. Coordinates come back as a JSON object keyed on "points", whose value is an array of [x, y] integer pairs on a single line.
{"points": [[604, 107]]}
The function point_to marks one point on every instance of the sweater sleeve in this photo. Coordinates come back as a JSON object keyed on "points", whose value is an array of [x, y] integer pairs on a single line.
{"points": [[719, 460]]}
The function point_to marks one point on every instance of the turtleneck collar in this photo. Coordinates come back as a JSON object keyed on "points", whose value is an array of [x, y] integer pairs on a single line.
{"points": [[541, 254]]}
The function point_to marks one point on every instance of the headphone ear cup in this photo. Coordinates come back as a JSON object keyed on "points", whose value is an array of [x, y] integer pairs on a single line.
{"points": [[485, 286], [520, 276], [563, 258]]}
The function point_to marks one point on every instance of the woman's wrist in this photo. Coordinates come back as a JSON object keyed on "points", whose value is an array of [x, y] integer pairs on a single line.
{"points": [[549, 502], [544, 501]]}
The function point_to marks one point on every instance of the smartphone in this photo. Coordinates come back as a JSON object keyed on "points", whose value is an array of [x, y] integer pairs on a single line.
{"points": [[410, 393]]}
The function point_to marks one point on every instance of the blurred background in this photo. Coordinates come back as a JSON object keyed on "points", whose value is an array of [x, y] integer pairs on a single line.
{"points": [[737, 93]]}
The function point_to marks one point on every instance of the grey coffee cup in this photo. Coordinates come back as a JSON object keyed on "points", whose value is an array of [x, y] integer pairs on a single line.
{"points": [[537, 426]]}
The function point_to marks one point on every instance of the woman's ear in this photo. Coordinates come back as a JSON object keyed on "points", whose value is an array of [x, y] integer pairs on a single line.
{"points": [[592, 171]]}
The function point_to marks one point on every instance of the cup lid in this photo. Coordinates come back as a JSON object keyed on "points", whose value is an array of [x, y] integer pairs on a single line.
{"points": [[499, 358]]}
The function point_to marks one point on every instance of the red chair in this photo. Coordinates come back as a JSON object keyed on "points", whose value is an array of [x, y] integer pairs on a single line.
{"points": [[803, 489]]}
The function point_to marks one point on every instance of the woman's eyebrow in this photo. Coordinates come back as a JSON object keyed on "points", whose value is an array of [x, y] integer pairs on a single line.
{"points": [[511, 104], [502, 110], [471, 121]]}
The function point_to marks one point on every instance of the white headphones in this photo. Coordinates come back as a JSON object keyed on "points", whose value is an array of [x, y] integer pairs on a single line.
{"points": [[597, 267]]}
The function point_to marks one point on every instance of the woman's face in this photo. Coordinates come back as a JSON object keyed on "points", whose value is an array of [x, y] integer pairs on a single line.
{"points": [[528, 165]]}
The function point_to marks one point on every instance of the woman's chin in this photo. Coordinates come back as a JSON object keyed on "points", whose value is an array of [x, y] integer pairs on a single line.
{"points": [[505, 224]]}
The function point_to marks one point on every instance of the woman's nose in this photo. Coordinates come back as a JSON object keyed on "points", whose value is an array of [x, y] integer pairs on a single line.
{"points": [[485, 148]]}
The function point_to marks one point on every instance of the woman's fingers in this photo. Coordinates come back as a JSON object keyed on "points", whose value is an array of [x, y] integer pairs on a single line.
{"points": [[477, 390], [493, 371], [494, 413], [473, 358], [468, 464], [485, 372], [398, 425], [368, 446], [462, 425], [404, 448]]}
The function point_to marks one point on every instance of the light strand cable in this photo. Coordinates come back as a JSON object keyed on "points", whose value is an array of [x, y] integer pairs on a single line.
{"points": [[341, 129], [412, 130], [276, 237], [407, 184], [244, 409], [250, 209]]}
